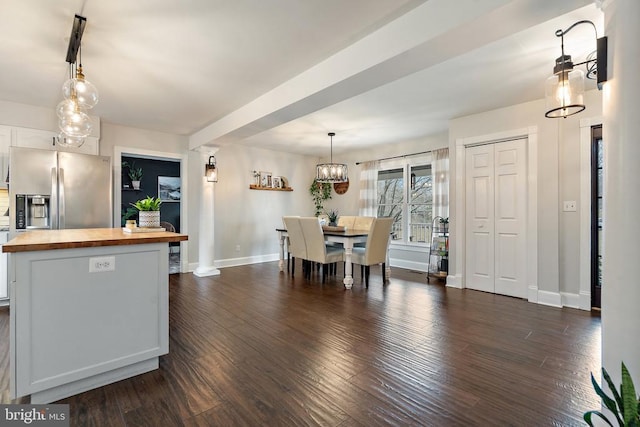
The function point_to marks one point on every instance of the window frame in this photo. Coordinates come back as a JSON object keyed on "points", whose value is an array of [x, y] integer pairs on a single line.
{"points": [[405, 164]]}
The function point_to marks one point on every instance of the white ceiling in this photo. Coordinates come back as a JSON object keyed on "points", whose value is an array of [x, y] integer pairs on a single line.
{"points": [[179, 67]]}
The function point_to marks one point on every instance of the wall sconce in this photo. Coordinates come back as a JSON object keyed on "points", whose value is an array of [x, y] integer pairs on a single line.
{"points": [[210, 170], [564, 90]]}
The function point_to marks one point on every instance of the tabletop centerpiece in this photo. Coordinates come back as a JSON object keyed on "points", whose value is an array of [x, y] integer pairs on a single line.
{"points": [[149, 212]]}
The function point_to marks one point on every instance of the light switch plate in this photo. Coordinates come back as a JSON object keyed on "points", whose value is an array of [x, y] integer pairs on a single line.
{"points": [[570, 206]]}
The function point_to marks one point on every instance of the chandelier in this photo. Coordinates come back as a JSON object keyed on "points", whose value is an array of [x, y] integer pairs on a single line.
{"points": [[79, 94], [331, 172]]}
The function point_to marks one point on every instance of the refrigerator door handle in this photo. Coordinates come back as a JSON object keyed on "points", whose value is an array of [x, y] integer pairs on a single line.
{"points": [[53, 201], [61, 196]]}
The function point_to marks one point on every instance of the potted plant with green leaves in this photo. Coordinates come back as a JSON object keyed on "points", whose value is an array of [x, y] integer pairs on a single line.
{"points": [[135, 174], [149, 212], [320, 191], [333, 217], [624, 405]]}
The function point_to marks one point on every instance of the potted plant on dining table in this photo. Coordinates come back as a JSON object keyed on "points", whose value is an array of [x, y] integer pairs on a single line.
{"points": [[333, 217]]}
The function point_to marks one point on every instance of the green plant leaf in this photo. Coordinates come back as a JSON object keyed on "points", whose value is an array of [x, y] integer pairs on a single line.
{"points": [[587, 417], [608, 402], [629, 398]]}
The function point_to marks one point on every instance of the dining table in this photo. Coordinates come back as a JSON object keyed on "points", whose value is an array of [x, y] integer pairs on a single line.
{"points": [[347, 237]]}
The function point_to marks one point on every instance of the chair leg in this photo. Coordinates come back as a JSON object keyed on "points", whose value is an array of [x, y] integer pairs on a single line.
{"points": [[288, 259], [293, 265], [366, 276], [324, 271], [384, 270]]}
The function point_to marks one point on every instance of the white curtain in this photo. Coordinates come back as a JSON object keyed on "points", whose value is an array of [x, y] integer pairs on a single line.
{"points": [[441, 182], [368, 193]]}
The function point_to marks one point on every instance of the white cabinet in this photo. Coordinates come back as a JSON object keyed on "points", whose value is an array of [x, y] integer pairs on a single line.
{"points": [[47, 140], [34, 138], [5, 142]]}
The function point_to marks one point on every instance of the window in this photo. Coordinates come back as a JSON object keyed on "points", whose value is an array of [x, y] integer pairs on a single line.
{"points": [[405, 194]]}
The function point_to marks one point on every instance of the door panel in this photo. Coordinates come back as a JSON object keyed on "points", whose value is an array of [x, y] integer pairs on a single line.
{"points": [[510, 222], [496, 197], [87, 190], [479, 221]]}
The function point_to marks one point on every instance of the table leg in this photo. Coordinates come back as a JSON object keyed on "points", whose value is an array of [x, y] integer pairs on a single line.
{"points": [[281, 262], [348, 274]]}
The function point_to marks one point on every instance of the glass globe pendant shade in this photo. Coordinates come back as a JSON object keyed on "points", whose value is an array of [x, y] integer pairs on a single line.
{"points": [[84, 91], [70, 141], [77, 124], [564, 94], [66, 107]]}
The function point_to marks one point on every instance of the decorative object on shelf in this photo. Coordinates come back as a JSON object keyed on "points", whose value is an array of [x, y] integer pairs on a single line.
{"points": [[80, 95], [438, 258], [169, 188], [341, 187], [210, 170], [564, 90], [149, 211], [276, 182], [265, 179], [333, 217], [320, 191], [256, 178], [135, 174], [331, 172]]}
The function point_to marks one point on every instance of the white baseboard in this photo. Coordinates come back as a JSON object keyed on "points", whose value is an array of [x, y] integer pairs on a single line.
{"points": [[409, 265], [553, 299], [454, 281]]}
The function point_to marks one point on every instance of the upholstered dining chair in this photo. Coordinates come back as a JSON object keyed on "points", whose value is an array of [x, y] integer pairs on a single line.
{"points": [[363, 222], [317, 250], [375, 251], [346, 221], [296, 247]]}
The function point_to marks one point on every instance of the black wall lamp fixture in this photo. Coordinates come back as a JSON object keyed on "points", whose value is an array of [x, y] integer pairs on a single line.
{"points": [[210, 170], [564, 90]]}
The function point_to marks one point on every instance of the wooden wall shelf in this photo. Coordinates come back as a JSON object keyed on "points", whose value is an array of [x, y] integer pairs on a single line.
{"points": [[257, 187]]}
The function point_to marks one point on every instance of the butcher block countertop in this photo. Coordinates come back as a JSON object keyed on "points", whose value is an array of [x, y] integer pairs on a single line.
{"points": [[45, 240]]}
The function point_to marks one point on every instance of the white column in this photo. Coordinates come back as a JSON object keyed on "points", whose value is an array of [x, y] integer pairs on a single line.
{"points": [[206, 234], [621, 136]]}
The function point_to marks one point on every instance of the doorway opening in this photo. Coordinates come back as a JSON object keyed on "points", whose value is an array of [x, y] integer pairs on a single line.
{"points": [[163, 175], [597, 175]]}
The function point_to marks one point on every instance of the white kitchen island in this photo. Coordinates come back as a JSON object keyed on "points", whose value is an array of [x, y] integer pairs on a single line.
{"points": [[88, 307]]}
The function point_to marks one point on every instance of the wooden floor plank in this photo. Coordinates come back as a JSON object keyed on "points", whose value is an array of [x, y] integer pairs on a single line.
{"points": [[256, 346]]}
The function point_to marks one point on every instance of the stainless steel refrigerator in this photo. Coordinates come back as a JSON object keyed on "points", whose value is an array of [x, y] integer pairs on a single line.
{"points": [[58, 190]]}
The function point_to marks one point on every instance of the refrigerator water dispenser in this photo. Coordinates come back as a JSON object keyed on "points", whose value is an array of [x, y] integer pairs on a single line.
{"points": [[32, 211]]}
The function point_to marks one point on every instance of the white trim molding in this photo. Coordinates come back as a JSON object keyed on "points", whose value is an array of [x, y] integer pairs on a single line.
{"points": [[585, 211]]}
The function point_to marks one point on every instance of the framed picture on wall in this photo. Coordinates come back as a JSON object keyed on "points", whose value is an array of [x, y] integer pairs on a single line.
{"points": [[265, 179], [276, 182], [169, 188]]}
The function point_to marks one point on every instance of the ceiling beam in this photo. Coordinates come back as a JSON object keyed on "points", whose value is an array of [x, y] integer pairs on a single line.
{"points": [[426, 36]]}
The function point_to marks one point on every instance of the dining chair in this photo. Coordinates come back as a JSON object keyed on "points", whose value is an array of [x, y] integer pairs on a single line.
{"points": [[375, 251], [317, 250], [363, 222], [296, 247], [346, 221]]}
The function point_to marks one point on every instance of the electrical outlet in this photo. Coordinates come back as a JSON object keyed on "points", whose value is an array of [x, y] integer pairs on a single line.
{"points": [[569, 206], [102, 264]]}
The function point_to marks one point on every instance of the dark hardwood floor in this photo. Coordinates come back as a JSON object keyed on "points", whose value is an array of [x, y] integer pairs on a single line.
{"points": [[256, 347]]}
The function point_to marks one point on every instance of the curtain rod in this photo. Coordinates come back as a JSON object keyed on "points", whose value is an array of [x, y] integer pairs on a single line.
{"points": [[396, 157]]}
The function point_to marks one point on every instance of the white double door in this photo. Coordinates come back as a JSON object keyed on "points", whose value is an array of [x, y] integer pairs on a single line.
{"points": [[496, 206]]}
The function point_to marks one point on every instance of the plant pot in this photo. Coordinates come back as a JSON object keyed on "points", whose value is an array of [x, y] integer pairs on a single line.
{"points": [[149, 219], [136, 185]]}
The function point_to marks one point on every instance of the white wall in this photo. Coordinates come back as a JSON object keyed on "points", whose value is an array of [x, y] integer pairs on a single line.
{"points": [[558, 180], [245, 220]]}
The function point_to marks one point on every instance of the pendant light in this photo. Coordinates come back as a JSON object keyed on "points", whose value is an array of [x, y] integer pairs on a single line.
{"points": [[80, 95], [331, 172]]}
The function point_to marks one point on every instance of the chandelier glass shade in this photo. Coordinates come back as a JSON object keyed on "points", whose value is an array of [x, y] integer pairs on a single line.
{"points": [[331, 172]]}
